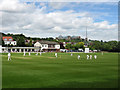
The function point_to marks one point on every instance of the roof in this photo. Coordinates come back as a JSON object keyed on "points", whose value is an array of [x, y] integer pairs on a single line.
{"points": [[6, 37], [37, 44], [48, 42]]}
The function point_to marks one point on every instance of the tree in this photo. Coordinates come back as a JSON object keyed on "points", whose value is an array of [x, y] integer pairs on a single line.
{"points": [[106, 47], [113, 45], [95, 45], [79, 45], [30, 43], [20, 41], [68, 46], [3, 43], [118, 47], [61, 46]]}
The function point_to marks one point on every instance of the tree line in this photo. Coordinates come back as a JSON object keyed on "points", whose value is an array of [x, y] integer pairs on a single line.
{"points": [[111, 46], [21, 40]]}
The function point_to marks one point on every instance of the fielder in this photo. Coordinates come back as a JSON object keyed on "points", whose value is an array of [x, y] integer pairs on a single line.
{"points": [[24, 53], [95, 56], [9, 56], [78, 57], [71, 54], [40, 53], [29, 54], [87, 57], [90, 56], [102, 53], [56, 55], [36, 54]]}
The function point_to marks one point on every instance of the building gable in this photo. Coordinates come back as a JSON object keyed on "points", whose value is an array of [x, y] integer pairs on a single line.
{"points": [[7, 38]]}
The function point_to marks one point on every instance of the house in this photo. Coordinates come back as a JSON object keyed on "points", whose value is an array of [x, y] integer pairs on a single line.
{"points": [[9, 41], [48, 46]]}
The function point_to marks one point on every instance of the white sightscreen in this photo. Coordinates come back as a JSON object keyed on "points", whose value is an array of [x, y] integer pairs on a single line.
{"points": [[86, 50]]}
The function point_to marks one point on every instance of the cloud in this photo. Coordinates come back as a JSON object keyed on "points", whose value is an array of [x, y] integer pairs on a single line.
{"points": [[11, 6], [25, 18], [70, 0], [55, 5]]}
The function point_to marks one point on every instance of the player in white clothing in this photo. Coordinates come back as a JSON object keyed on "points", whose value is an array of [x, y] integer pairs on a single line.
{"points": [[102, 53], [95, 56], [29, 54], [78, 57], [87, 57], [40, 53], [9, 56], [24, 53], [56, 55], [90, 56], [36, 53]]}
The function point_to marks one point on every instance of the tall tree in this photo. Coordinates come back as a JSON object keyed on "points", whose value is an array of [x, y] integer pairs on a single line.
{"points": [[21, 41], [68, 46], [30, 43]]}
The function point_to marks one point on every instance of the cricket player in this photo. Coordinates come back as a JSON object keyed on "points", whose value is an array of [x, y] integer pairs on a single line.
{"points": [[87, 57], [9, 56], [56, 55], [71, 54], [40, 53], [36, 53], [95, 56], [29, 53], [90, 56], [78, 57], [24, 53], [102, 53]]}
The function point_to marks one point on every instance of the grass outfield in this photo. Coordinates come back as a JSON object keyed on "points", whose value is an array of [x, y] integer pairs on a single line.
{"points": [[46, 71]]}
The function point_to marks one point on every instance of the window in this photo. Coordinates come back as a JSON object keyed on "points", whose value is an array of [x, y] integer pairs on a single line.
{"points": [[10, 39], [5, 39]]}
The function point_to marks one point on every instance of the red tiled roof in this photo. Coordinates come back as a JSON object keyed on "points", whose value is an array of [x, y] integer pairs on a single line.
{"points": [[7, 38]]}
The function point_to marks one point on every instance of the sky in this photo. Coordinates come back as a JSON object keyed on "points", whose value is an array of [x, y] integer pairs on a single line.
{"points": [[51, 19]]}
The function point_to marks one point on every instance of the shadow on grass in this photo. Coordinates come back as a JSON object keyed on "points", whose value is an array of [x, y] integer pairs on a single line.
{"points": [[75, 84], [109, 85]]}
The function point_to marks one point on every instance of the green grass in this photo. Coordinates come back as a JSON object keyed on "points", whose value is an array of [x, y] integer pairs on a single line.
{"points": [[46, 71]]}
